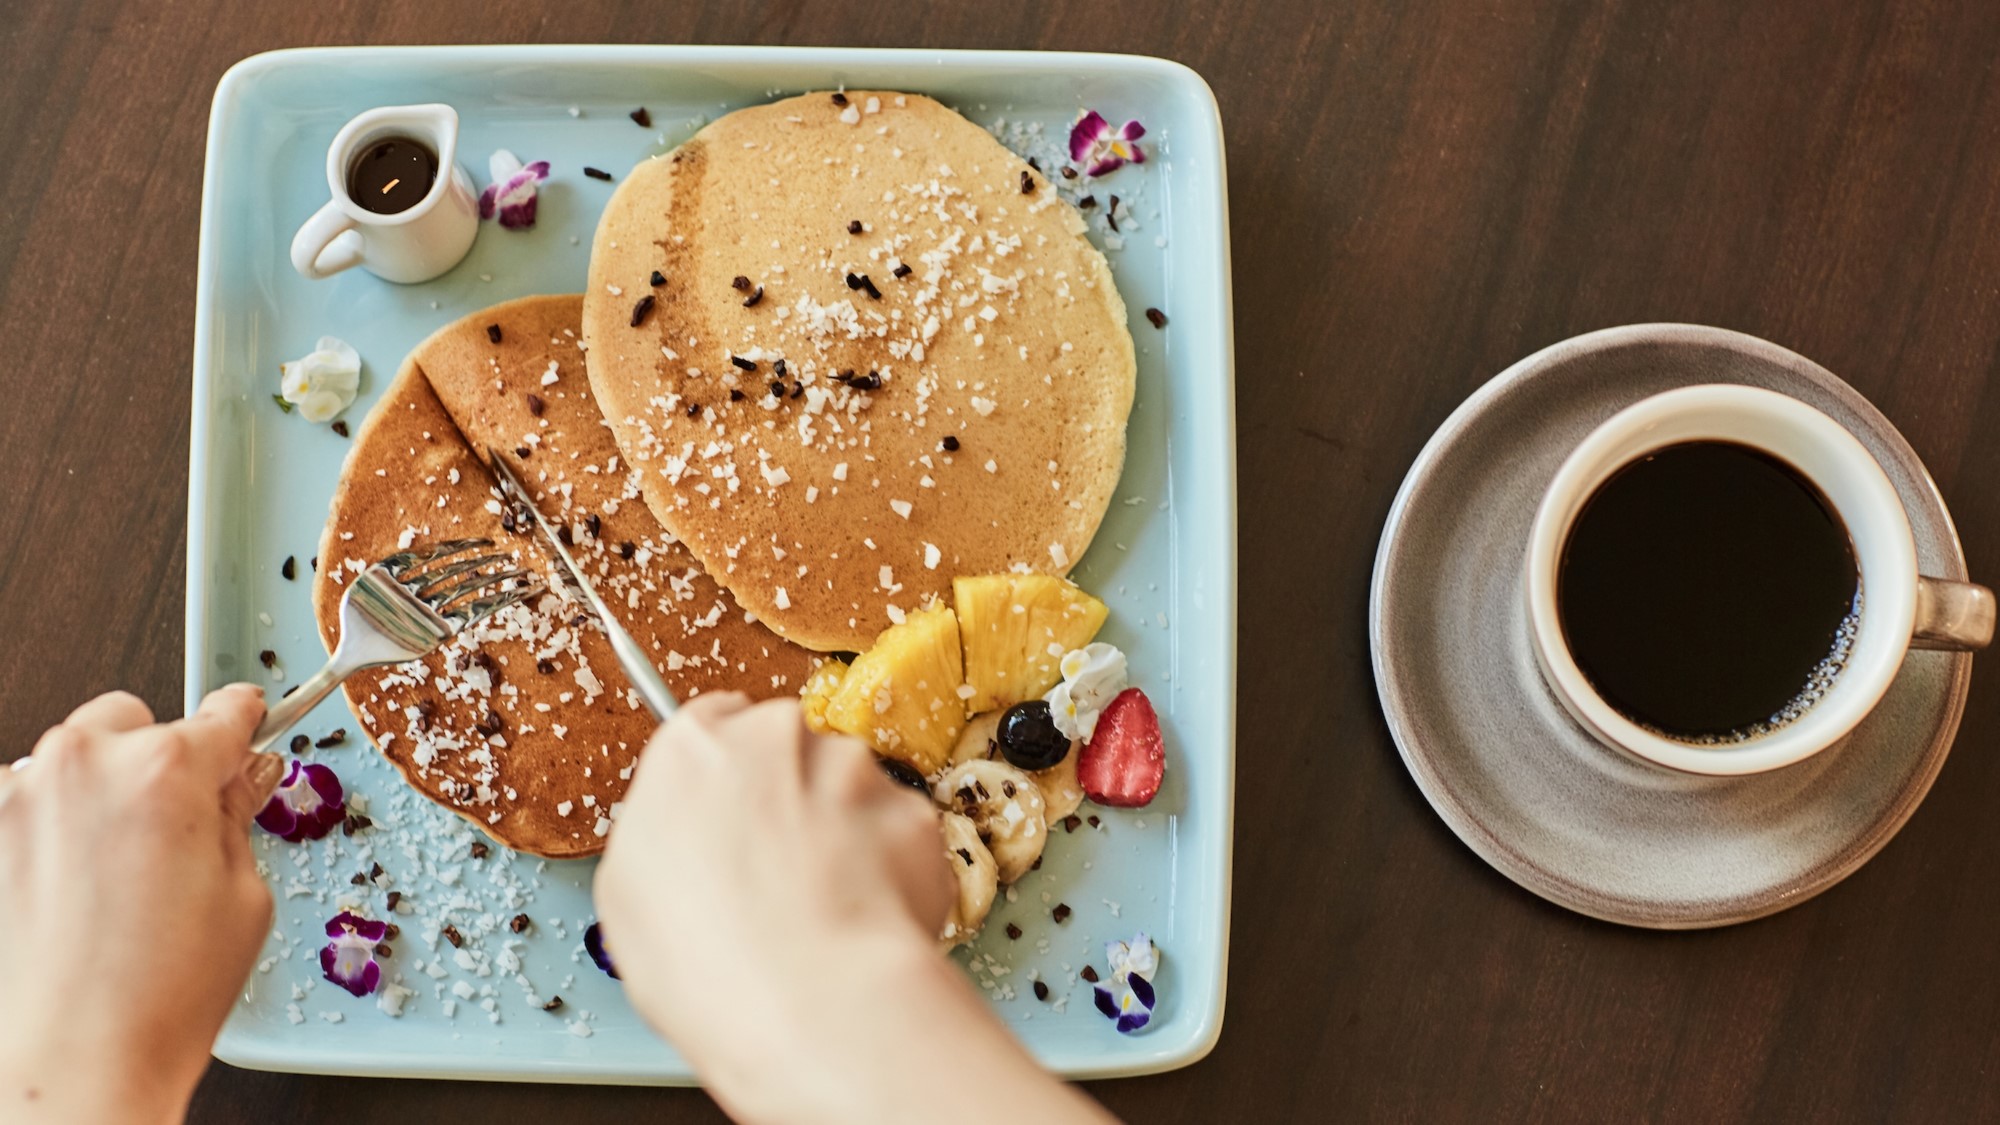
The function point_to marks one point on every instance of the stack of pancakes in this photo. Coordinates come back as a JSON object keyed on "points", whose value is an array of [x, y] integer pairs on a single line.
{"points": [[524, 724], [834, 351]]}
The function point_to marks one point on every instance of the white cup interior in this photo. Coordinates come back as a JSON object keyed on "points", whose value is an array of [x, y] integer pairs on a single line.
{"points": [[1844, 472]]}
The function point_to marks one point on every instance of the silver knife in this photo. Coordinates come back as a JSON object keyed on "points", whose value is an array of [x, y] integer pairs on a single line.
{"points": [[638, 667]]}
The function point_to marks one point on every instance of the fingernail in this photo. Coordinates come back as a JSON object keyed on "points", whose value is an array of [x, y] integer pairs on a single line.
{"points": [[247, 687], [263, 773]]}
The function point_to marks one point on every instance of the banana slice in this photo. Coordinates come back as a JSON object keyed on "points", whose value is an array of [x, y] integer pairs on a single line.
{"points": [[972, 865], [1006, 807], [1062, 793], [979, 739]]}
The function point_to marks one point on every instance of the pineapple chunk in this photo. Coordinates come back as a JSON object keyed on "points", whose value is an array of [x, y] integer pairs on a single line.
{"points": [[1016, 629], [818, 692], [902, 696]]}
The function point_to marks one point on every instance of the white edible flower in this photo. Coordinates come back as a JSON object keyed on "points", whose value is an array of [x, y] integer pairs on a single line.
{"points": [[323, 382]]}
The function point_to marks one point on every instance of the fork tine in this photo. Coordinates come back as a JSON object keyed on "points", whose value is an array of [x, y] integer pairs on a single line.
{"points": [[438, 599], [398, 563], [432, 577], [472, 613]]}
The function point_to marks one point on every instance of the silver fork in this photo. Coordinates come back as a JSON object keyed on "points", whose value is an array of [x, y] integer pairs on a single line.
{"points": [[401, 609]]}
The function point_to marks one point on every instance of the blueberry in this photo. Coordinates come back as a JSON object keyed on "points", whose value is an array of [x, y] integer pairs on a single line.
{"points": [[903, 773], [1029, 738]]}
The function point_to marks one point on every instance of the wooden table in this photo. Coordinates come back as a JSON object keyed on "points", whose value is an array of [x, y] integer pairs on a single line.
{"points": [[1423, 192]]}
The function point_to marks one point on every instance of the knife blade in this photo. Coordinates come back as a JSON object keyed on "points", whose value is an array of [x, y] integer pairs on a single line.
{"points": [[645, 678]]}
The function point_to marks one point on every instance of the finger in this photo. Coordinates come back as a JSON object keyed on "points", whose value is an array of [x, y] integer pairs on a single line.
{"points": [[61, 746], [699, 714], [773, 736], [844, 767], [937, 891], [711, 707], [243, 797], [219, 730], [245, 794], [114, 712]]}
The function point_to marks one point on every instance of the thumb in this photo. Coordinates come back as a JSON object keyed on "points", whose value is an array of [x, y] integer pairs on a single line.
{"points": [[221, 728], [244, 795]]}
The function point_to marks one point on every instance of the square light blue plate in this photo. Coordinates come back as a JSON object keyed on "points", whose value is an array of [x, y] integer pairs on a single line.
{"points": [[260, 481]]}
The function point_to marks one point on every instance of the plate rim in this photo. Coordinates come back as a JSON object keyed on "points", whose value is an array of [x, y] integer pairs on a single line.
{"points": [[1467, 827], [1190, 1039]]}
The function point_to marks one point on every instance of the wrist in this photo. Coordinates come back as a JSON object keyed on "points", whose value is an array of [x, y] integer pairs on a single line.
{"points": [[833, 1037], [33, 1091], [59, 1077]]}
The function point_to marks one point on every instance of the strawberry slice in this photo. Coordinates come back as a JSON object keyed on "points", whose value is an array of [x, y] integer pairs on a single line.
{"points": [[1124, 761]]}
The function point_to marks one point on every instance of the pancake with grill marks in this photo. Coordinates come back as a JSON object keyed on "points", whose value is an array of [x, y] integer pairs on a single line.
{"points": [[525, 725], [858, 348]]}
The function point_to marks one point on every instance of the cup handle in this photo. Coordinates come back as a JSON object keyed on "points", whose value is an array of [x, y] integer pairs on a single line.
{"points": [[1952, 616], [319, 250]]}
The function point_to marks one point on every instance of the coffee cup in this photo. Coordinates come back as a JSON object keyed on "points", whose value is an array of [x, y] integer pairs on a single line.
{"points": [[1896, 608], [425, 234]]}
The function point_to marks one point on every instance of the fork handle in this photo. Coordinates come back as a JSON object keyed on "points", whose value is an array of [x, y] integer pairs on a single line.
{"points": [[285, 714]]}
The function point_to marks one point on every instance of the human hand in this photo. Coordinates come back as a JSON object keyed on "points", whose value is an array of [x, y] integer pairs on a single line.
{"points": [[773, 902], [130, 907], [747, 846]]}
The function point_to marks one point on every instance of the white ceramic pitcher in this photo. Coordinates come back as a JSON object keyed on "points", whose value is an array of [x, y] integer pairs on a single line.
{"points": [[413, 245]]}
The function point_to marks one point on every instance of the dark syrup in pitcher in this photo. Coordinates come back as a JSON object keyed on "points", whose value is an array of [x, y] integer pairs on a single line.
{"points": [[392, 175]]}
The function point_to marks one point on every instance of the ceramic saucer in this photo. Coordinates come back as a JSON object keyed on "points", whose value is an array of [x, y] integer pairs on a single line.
{"points": [[1499, 758]]}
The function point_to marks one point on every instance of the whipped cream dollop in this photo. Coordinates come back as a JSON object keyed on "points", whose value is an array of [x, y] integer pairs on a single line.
{"points": [[323, 382], [1092, 676]]}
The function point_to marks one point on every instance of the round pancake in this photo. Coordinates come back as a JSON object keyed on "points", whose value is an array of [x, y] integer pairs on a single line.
{"points": [[778, 233], [569, 727]]}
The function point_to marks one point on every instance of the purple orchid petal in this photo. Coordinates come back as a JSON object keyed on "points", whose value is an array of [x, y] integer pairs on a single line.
{"points": [[517, 187], [513, 198], [1142, 989], [1129, 1024], [518, 216], [1102, 997], [593, 943], [352, 966], [1084, 135], [349, 959], [278, 820], [324, 783], [306, 805], [1094, 144]]}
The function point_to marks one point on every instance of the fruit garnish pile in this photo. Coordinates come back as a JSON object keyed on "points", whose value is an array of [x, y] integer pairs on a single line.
{"points": [[1003, 709]]}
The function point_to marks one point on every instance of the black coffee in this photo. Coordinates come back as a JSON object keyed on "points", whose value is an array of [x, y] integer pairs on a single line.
{"points": [[1708, 591], [392, 175]]}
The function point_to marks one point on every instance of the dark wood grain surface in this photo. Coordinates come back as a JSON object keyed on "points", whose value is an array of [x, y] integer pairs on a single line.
{"points": [[1421, 193]]}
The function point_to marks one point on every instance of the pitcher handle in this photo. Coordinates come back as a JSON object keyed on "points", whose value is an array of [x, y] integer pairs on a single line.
{"points": [[1953, 616], [320, 249]]}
